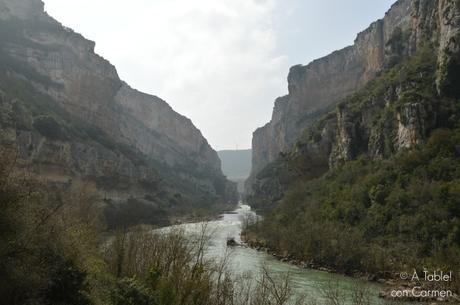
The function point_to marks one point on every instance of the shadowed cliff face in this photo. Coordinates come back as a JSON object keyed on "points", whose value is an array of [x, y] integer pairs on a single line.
{"points": [[315, 88], [105, 123]]}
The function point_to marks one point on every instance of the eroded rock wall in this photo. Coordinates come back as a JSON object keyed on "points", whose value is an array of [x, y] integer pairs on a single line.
{"points": [[318, 86], [61, 66]]}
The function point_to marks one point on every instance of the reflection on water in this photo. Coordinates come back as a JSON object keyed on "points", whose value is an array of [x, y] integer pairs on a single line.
{"points": [[305, 281]]}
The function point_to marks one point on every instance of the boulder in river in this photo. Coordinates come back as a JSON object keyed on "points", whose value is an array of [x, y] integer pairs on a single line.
{"points": [[231, 242]]}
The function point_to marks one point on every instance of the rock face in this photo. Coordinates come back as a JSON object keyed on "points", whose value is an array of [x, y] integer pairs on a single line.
{"points": [[115, 123], [411, 125], [152, 126], [315, 88]]}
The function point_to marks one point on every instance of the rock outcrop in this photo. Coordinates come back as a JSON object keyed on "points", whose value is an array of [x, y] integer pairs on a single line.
{"points": [[315, 88], [109, 130], [411, 125]]}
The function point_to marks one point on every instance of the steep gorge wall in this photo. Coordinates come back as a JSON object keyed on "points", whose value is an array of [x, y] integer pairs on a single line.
{"points": [[397, 110], [88, 86], [315, 88], [62, 67]]}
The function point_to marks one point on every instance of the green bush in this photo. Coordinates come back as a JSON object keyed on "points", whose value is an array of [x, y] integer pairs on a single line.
{"points": [[129, 291]]}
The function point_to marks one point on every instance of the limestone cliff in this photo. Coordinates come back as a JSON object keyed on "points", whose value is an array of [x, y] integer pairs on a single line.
{"points": [[315, 88], [398, 101], [85, 123]]}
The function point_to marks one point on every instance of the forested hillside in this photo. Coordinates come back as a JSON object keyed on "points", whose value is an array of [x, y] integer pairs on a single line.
{"points": [[373, 186]]}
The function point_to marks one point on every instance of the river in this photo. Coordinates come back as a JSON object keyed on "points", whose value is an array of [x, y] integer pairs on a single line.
{"points": [[242, 259]]}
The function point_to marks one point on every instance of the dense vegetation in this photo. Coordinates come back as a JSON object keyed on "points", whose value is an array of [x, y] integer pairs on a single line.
{"points": [[374, 214], [55, 249]]}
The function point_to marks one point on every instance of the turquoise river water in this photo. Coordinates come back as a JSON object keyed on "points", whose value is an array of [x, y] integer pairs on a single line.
{"points": [[243, 260]]}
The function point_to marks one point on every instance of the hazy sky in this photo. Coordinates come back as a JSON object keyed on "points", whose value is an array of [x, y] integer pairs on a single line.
{"points": [[221, 63]]}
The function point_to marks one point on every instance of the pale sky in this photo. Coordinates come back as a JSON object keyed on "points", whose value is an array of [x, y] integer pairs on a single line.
{"points": [[221, 63]]}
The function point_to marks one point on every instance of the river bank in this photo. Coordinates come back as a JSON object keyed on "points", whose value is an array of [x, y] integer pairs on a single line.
{"points": [[251, 241], [393, 288]]}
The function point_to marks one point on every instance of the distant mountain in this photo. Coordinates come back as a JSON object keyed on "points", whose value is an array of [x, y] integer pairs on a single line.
{"points": [[236, 164]]}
